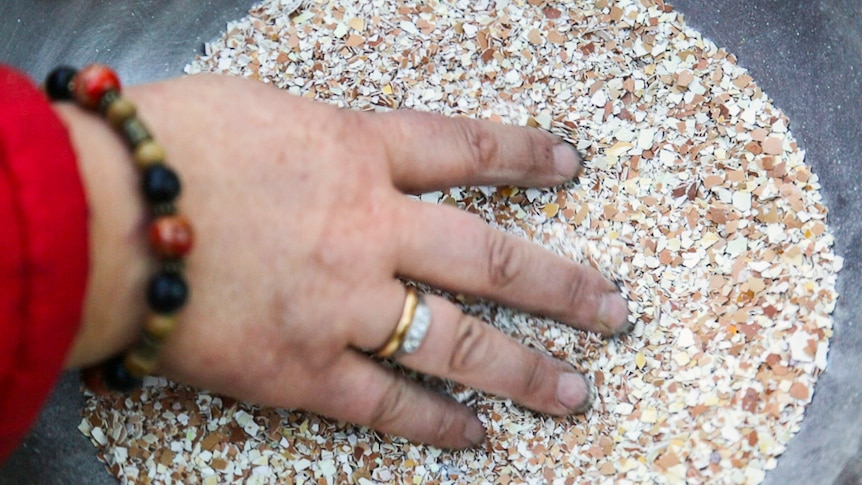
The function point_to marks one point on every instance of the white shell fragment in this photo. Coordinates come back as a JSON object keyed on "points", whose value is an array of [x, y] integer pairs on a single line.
{"points": [[696, 200]]}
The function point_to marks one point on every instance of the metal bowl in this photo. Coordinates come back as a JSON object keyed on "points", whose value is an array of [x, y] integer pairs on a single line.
{"points": [[806, 55]]}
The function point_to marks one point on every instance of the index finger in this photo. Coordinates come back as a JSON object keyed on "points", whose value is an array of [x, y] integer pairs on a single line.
{"points": [[429, 152]]}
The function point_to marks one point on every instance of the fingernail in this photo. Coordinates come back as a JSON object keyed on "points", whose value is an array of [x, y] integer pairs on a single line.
{"points": [[591, 395], [567, 161], [474, 432], [574, 392], [613, 313]]}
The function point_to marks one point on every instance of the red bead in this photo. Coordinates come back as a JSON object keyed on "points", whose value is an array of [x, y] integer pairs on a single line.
{"points": [[171, 236], [92, 82]]}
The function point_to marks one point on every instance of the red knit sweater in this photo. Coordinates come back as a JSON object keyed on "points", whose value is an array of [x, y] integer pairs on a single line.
{"points": [[43, 253]]}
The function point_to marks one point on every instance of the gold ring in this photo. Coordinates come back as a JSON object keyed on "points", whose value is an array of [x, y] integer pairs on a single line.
{"points": [[397, 338]]}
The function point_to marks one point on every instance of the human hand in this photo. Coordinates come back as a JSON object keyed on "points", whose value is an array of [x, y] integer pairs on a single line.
{"points": [[302, 228]]}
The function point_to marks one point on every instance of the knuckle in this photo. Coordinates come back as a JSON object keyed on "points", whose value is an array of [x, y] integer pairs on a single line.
{"points": [[505, 260], [577, 289], [349, 124], [400, 127], [448, 427], [534, 380], [541, 153], [360, 130], [471, 346], [537, 152], [483, 147], [389, 406]]}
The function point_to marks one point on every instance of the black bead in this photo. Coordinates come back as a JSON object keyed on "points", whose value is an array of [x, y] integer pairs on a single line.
{"points": [[160, 184], [117, 377], [167, 292], [58, 84]]}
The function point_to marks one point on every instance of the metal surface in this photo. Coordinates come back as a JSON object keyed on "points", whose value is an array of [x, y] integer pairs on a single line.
{"points": [[807, 55]]}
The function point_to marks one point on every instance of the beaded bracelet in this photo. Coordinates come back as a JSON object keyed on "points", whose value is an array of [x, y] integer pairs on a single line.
{"points": [[97, 88]]}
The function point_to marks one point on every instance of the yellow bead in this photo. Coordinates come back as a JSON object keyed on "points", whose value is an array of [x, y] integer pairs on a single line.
{"points": [[120, 110], [149, 153], [141, 361], [160, 326]]}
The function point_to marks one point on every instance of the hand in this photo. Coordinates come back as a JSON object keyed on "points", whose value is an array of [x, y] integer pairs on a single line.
{"points": [[301, 230]]}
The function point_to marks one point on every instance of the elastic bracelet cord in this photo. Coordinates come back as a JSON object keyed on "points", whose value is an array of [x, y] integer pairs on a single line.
{"points": [[97, 88]]}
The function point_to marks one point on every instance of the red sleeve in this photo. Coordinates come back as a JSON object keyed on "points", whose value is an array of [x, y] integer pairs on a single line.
{"points": [[43, 253]]}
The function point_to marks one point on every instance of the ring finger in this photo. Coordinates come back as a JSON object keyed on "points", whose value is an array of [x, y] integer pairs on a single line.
{"points": [[467, 350]]}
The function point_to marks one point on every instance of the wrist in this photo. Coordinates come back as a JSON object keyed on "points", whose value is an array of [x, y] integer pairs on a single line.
{"points": [[114, 306]]}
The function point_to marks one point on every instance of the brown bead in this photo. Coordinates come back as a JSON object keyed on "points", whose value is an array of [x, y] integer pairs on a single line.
{"points": [[160, 326], [149, 153], [107, 98], [171, 236], [163, 209], [119, 111], [94, 380], [173, 265], [135, 132], [141, 361]]}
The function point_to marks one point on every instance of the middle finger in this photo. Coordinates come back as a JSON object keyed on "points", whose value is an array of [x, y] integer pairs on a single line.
{"points": [[454, 250]]}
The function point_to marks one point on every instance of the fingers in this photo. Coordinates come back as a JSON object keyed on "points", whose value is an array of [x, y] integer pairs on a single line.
{"points": [[362, 391], [457, 347], [456, 251], [429, 152], [465, 349]]}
